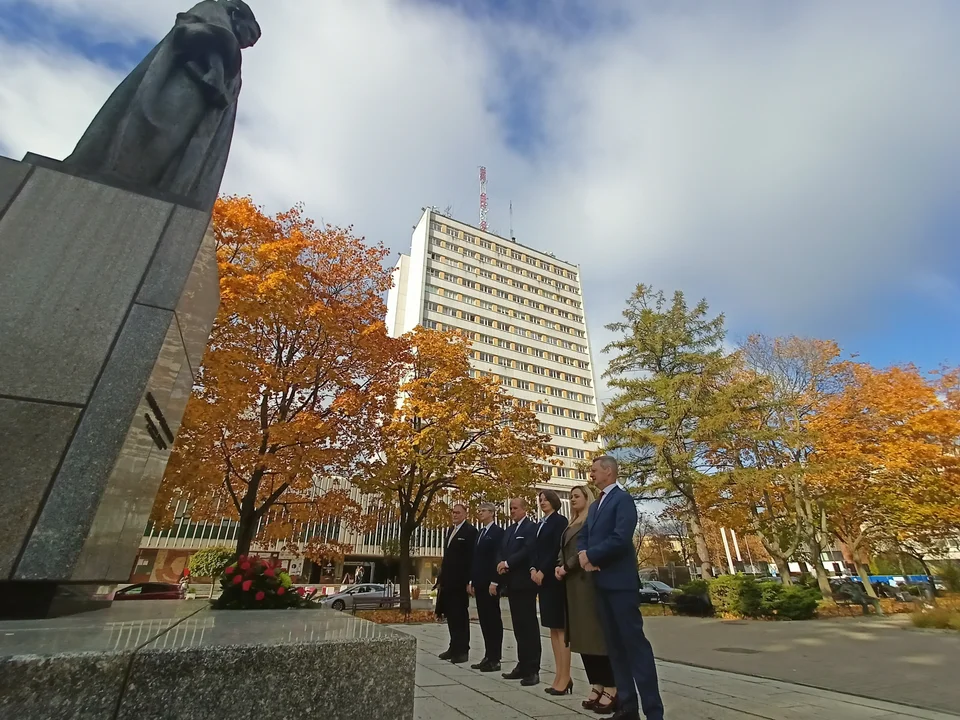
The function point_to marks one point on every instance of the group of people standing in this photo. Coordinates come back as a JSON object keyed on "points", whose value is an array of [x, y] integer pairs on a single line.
{"points": [[584, 574]]}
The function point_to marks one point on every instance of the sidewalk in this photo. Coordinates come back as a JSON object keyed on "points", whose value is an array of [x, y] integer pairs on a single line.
{"points": [[454, 692], [874, 658]]}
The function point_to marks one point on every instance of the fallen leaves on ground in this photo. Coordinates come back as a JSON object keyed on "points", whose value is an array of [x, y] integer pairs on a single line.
{"points": [[398, 617]]}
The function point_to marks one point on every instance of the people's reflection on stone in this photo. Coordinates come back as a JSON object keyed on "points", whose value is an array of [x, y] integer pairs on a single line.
{"points": [[169, 124]]}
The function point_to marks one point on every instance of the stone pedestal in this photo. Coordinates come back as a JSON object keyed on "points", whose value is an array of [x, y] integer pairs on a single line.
{"points": [[107, 298], [167, 660]]}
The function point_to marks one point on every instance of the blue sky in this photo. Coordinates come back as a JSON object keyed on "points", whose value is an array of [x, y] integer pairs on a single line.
{"points": [[798, 166]]}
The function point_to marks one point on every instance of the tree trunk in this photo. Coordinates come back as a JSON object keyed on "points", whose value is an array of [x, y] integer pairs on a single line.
{"points": [[783, 567], [406, 533], [816, 559], [247, 530], [930, 583], [700, 542]]}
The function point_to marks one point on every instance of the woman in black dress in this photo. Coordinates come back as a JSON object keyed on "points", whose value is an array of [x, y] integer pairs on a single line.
{"points": [[551, 593]]}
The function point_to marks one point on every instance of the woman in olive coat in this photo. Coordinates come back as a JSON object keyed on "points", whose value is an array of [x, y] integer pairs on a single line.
{"points": [[583, 631]]}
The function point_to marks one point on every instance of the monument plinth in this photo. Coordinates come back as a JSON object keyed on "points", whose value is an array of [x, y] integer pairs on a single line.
{"points": [[108, 297]]}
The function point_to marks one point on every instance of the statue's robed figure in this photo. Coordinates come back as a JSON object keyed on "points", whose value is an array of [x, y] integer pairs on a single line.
{"points": [[169, 124]]}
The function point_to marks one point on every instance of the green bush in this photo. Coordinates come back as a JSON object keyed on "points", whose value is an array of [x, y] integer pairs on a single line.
{"points": [[693, 599], [736, 595], [745, 597], [797, 603], [210, 562]]}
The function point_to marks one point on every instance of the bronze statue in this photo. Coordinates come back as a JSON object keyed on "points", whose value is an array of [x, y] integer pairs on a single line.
{"points": [[169, 124]]}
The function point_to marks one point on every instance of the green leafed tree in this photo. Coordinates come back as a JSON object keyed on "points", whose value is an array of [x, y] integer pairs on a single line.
{"points": [[672, 394], [210, 563]]}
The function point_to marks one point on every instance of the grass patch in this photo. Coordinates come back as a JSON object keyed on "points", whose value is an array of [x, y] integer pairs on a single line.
{"points": [[656, 610], [938, 618], [398, 617]]}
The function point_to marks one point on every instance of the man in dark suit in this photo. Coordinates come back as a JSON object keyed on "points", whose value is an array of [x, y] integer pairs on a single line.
{"points": [[453, 600], [606, 548], [484, 586], [521, 593]]}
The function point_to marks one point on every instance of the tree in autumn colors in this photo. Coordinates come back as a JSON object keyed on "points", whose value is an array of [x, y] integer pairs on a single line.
{"points": [[888, 461], [670, 377], [451, 437], [765, 452], [298, 373]]}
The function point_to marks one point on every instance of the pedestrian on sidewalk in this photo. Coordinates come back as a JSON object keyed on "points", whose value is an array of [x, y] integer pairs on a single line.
{"points": [[606, 550], [453, 602], [514, 568], [584, 633], [485, 588], [543, 567]]}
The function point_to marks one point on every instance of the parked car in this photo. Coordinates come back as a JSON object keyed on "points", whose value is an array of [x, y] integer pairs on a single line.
{"points": [[664, 591], [345, 598], [648, 593], [150, 591]]}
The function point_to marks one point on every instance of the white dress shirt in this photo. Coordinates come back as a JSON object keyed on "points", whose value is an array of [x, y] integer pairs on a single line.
{"points": [[606, 491], [453, 534]]}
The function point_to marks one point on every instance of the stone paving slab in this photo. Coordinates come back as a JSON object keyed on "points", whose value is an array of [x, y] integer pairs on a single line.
{"points": [[455, 692], [859, 656]]}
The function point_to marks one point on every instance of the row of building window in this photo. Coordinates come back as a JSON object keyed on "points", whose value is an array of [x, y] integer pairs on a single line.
{"points": [[515, 254], [498, 325], [527, 350], [504, 343], [569, 473], [510, 312], [519, 299]]}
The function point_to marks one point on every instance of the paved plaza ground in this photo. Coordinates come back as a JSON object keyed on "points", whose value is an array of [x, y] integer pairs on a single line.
{"points": [[447, 692]]}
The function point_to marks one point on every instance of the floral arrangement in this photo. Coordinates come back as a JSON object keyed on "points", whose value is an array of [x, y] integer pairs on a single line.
{"points": [[255, 583]]}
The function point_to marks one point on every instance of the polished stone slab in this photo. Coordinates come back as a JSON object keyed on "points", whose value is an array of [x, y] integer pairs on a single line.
{"points": [[108, 296], [179, 659]]}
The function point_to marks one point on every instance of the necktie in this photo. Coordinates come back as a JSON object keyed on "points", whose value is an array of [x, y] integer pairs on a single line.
{"points": [[482, 533]]}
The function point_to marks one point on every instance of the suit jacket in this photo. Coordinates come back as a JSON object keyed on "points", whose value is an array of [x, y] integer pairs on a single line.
{"points": [[485, 558], [607, 536], [546, 545], [458, 558], [517, 550]]}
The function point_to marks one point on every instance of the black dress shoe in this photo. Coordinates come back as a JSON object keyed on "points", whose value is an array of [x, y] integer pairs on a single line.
{"points": [[514, 674], [626, 715], [531, 680], [480, 665], [490, 667], [568, 690], [445, 655], [457, 659]]}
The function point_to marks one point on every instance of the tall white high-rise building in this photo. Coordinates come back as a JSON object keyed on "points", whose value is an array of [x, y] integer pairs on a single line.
{"points": [[523, 309]]}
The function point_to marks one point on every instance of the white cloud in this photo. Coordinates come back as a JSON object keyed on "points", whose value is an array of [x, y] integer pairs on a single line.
{"points": [[784, 163]]}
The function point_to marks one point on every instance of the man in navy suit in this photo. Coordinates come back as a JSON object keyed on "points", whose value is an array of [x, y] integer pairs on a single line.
{"points": [[606, 548], [484, 587], [452, 599], [521, 593]]}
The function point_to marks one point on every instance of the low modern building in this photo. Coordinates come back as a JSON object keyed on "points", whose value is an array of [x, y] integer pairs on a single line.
{"points": [[523, 309]]}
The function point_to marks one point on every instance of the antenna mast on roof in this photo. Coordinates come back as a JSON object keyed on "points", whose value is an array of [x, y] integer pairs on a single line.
{"points": [[483, 198], [511, 222]]}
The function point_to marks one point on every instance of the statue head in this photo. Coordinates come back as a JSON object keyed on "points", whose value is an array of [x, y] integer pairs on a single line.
{"points": [[245, 25]]}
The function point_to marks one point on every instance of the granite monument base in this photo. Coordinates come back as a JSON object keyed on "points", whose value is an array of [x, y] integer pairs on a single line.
{"points": [[107, 297], [153, 660]]}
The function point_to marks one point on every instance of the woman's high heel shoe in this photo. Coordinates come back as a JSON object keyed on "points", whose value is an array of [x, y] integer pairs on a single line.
{"points": [[607, 709], [591, 702], [567, 691]]}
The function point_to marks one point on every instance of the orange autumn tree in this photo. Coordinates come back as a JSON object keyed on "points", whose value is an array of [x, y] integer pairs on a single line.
{"points": [[298, 372], [888, 465], [452, 437]]}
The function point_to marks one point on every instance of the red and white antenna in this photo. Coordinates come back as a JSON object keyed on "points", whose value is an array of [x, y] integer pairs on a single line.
{"points": [[483, 198]]}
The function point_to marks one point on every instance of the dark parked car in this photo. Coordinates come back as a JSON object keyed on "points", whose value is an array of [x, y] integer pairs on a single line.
{"points": [[150, 591], [664, 591], [648, 593]]}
